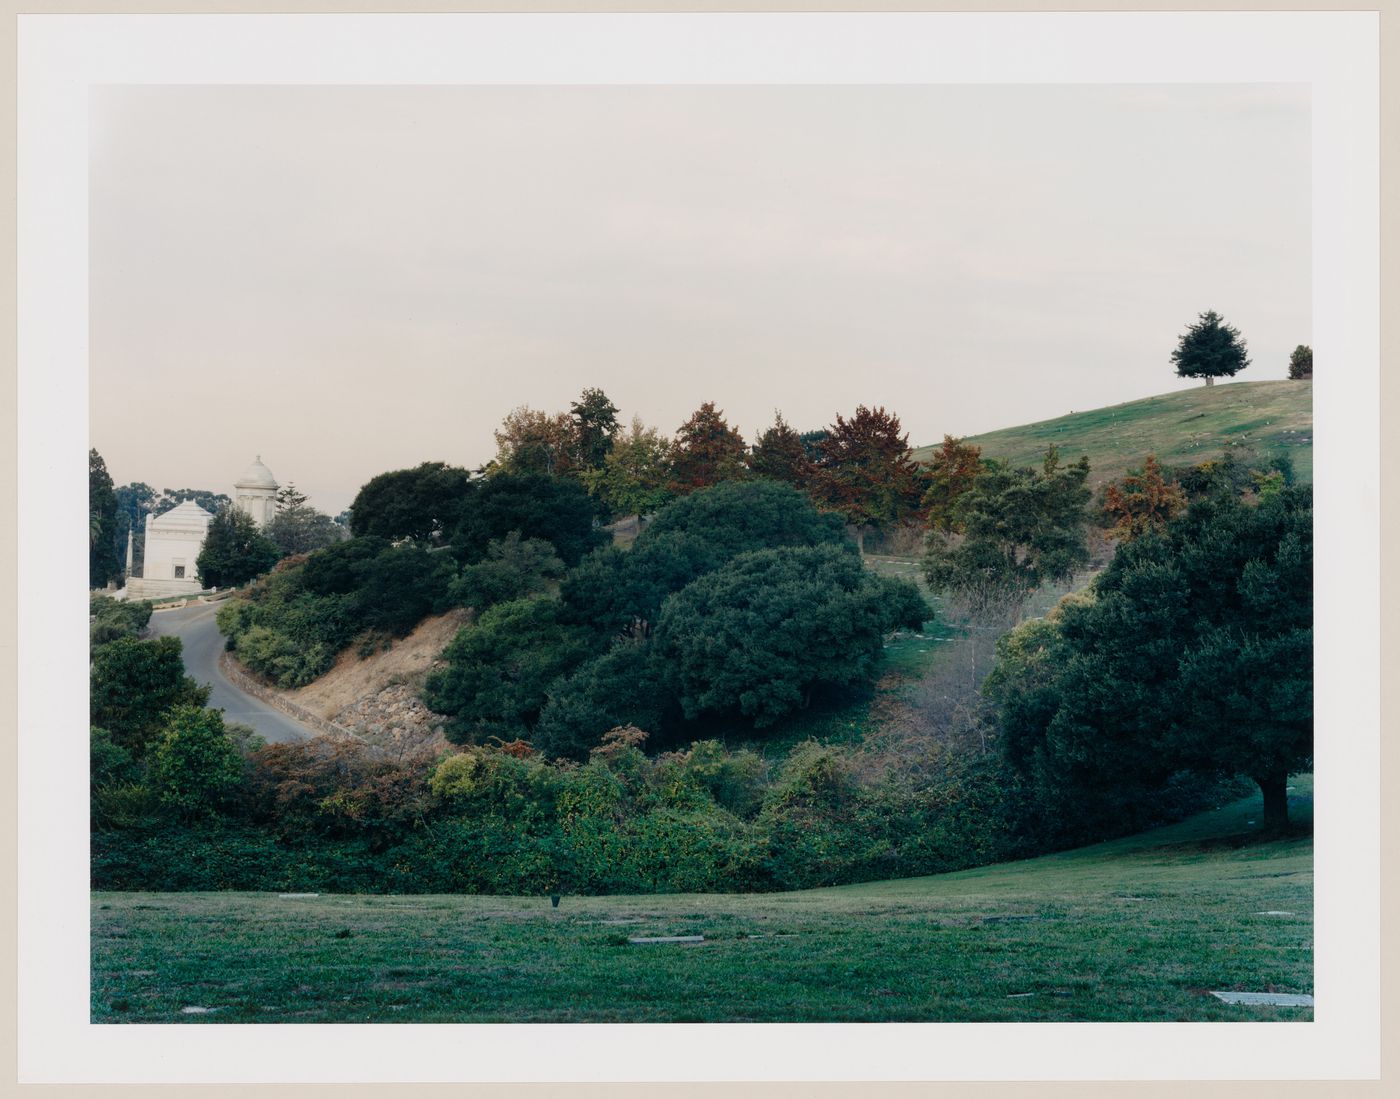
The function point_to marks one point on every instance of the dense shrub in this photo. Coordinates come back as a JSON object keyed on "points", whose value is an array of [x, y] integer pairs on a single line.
{"points": [[624, 686], [291, 625], [757, 635], [195, 768], [113, 618], [737, 516], [513, 568], [133, 687], [557, 510], [498, 670]]}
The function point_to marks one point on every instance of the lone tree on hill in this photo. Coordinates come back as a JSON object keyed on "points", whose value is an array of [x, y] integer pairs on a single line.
{"points": [[1210, 349], [1300, 363]]}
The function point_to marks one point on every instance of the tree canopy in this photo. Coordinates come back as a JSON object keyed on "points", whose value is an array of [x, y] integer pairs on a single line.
{"points": [[530, 441], [951, 471], [1019, 529], [1194, 651], [1210, 349], [134, 684], [104, 562], [297, 527], [595, 425], [424, 503], [555, 509], [1144, 500], [756, 635], [865, 473], [706, 451], [496, 672], [778, 453], [1300, 363], [234, 550], [635, 474]]}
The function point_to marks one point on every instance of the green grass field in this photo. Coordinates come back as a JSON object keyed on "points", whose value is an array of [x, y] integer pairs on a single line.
{"points": [[1271, 418], [1139, 929]]}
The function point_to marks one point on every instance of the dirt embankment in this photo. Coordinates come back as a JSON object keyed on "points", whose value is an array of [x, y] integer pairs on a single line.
{"points": [[376, 697]]}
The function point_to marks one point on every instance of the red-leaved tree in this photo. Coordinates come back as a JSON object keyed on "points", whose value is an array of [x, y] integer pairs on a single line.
{"points": [[865, 473]]}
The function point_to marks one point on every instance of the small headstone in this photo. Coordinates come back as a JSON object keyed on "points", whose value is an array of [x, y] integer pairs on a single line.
{"points": [[645, 941], [194, 1009], [1019, 995], [1270, 999], [1273, 912], [289, 896]]}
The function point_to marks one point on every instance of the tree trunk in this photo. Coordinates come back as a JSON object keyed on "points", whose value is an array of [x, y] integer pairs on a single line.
{"points": [[1275, 791], [1209, 380]]}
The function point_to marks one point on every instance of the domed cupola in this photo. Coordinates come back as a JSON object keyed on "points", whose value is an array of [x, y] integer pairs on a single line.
{"points": [[256, 492]]}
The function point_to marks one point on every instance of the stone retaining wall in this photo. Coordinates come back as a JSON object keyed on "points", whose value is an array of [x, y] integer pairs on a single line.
{"points": [[239, 677]]}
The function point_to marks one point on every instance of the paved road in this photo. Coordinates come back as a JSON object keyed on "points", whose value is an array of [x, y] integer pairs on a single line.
{"points": [[203, 644]]}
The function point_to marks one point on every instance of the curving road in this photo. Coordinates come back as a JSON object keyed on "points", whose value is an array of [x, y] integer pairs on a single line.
{"points": [[203, 644]]}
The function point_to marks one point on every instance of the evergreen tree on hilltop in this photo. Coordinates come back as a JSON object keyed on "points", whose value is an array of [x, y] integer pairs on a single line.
{"points": [[1210, 349]]}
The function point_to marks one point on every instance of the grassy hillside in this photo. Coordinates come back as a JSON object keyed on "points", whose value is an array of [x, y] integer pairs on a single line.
{"points": [[1137, 929], [1270, 418]]}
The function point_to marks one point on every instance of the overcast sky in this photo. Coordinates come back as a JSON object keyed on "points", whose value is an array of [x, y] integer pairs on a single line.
{"points": [[351, 280]]}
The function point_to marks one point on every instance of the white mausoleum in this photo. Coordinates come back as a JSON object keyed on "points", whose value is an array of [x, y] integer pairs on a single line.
{"points": [[255, 493], [173, 539]]}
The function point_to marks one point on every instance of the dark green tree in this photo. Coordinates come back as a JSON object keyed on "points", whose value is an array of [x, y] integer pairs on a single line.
{"points": [[496, 672], [735, 517], [778, 453], [624, 686], [595, 427], [112, 618], [1210, 349], [756, 636], [513, 568], [1300, 363], [1194, 652], [173, 497], [425, 503], [196, 768], [134, 503], [234, 551], [104, 563], [297, 527], [557, 510], [1020, 528], [618, 593], [135, 684]]}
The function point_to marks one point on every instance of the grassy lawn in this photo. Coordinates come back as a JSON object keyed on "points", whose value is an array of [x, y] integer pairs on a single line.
{"points": [[1182, 428], [1134, 930]]}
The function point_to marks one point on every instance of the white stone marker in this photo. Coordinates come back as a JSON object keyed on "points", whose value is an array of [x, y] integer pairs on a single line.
{"points": [[1274, 999]]}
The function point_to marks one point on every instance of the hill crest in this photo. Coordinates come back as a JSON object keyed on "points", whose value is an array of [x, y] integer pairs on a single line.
{"points": [[1264, 419]]}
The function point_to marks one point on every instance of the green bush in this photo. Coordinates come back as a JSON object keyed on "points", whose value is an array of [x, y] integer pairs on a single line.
{"points": [[113, 619], [195, 768]]}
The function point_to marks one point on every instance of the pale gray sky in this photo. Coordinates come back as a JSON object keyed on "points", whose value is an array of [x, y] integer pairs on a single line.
{"points": [[350, 280]]}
